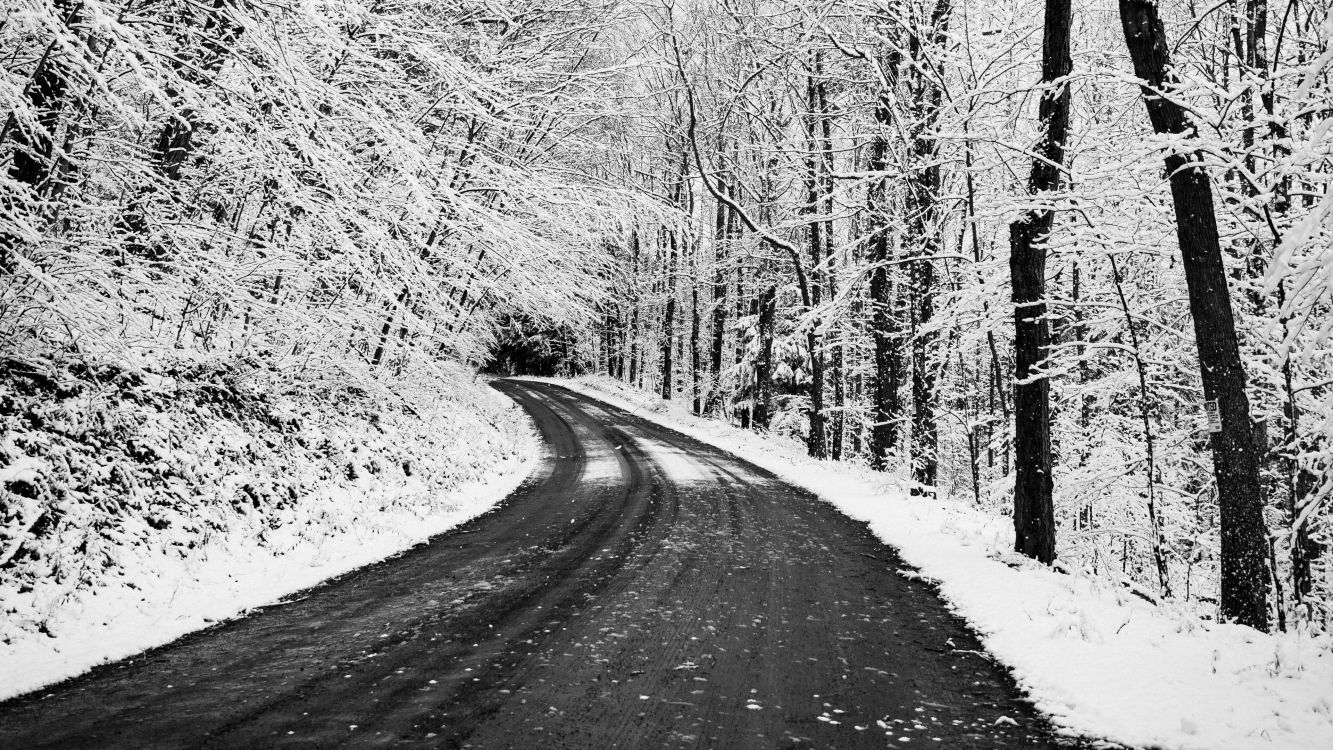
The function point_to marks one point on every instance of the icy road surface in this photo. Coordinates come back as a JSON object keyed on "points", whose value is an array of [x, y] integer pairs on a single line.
{"points": [[640, 590]]}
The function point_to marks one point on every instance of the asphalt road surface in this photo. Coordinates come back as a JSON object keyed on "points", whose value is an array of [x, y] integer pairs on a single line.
{"points": [[640, 590]]}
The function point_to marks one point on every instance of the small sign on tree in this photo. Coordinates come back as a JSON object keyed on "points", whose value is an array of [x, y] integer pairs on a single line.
{"points": [[1212, 415]]}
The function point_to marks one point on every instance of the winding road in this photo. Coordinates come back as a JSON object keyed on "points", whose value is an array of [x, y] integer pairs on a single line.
{"points": [[639, 590]]}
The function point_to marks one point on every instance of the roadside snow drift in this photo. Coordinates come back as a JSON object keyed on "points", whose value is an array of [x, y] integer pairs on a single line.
{"points": [[163, 502]]}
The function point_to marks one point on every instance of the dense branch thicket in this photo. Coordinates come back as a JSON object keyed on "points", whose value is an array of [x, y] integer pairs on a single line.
{"points": [[324, 187], [860, 171]]}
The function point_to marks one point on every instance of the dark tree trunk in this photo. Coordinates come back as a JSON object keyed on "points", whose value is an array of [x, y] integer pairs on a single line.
{"points": [[1305, 549], [838, 424], [837, 421], [1079, 331], [176, 140], [885, 322], [1034, 517], [923, 213], [622, 335], [747, 414], [721, 234], [763, 369], [738, 350], [885, 407], [925, 438], [1244, 553], [383, 342], [632, 350], [695, 375], [668, 337], [854, 363], [816, 442], [610, 318], [669, 321], [817, 439]]}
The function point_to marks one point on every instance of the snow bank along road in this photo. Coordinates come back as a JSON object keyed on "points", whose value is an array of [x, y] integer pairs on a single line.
{"points": [[640, 590]]}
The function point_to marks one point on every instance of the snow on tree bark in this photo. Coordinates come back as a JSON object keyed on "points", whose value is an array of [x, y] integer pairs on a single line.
{"points": [[1244, 557]]}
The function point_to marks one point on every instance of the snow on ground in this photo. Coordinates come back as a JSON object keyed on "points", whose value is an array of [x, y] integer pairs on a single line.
{"points": [[1100, 662], [362, 505]]}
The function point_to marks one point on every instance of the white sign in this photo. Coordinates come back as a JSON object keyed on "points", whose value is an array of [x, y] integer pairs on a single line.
{"points": [[1212, 415]]}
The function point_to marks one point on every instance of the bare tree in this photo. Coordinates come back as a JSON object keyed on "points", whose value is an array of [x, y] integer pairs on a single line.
{"points": [[1034, 515], [1244, 556]]}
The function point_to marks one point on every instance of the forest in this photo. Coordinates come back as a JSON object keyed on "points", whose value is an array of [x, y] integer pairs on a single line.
{"points": [[1069, 262]]}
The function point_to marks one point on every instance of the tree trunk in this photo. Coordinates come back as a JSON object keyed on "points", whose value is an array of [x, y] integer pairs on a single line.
{"points": [[923, 213], [925, 438], [838, 423], [610, 317], [668, 336], [1034, 517], [696, 379], [669, 321], [632, 351], [885, 406], [1305, 549], [763, 369], [825, 136], [738, 350], [1244, 560], [622, 332], [721, 235], [383, 342], [817, 439], [1149, 443]]}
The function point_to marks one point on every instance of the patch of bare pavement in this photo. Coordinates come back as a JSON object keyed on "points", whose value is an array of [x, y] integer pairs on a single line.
{"points": [[640, 590]]}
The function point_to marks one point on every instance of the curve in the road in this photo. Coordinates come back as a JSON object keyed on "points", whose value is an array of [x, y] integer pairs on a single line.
{"points": [[640, 590]]}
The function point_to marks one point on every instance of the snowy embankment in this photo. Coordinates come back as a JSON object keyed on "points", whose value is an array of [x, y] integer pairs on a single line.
{"points": [[161, 503], [1100, 661]]}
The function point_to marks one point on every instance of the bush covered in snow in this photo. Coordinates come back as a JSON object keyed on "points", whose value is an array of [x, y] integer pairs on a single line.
{"points": [[109, 475]]}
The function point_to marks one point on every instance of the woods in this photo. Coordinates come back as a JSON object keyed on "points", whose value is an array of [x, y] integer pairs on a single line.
{"points": [[872, 183], [250, 257], [1068, 262], [232, 175]]}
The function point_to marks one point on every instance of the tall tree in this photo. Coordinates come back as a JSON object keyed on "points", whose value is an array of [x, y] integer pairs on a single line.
{"points": [[1034, 515], [722, 223], [1244, 555], [816, 228], [667, 237], [885, 323], [923, 234]]}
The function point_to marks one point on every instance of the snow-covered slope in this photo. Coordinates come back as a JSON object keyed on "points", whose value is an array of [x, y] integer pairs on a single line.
{"points": [[1099, 660], [161, 502]]}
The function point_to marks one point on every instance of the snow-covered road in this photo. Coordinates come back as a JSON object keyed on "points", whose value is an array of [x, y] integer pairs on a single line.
{"points": [[641, 589]]}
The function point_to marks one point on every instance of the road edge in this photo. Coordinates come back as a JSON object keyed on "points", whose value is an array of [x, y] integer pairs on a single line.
{"points": [[27, 668]]}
